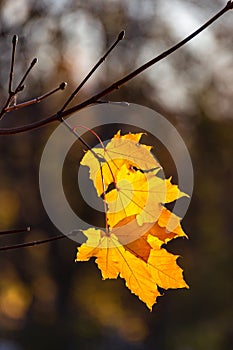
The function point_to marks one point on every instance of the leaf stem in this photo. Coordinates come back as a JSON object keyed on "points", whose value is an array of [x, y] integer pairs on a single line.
{"points": [[79, 137], [92, 132], [104, 200]]}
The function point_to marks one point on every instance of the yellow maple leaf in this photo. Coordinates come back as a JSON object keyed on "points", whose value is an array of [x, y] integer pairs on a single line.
{"points": [[136, 193], [125, 175], [120, 150], [141, 277], [164, 270], [173, 192], [140, 194]]}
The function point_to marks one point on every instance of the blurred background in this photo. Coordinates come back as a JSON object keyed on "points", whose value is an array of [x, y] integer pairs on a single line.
{"points": [[47, 301]]}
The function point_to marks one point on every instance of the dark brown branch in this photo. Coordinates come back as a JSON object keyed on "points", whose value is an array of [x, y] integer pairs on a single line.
{"points": [[101, 60], [79, 137], [62, 86], [20, 85], [18, 230], [73, 130], [19, 88], [33, 243], [14, 44], [150, 63], [92, 100], [38, 242], [230, 5]]}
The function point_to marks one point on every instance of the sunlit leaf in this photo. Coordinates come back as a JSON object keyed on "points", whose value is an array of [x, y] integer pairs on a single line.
{"points": [[136, 193], [128, 178], [141, 277], [119, 151]]}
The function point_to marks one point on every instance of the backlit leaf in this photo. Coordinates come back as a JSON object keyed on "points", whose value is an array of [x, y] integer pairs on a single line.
{"points": [[127, 177]]}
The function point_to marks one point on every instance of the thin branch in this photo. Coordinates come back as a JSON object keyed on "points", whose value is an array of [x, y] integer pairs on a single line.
{"points": [[73, 130], [92, 100], [33, 243], [150, 63], [38, 242], [20, 85], [62, 86], [14, 44], [101, 60], [19, 88], [18, 230]]}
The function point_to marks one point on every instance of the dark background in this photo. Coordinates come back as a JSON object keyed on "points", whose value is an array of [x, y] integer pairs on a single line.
{"points": [[47, 301]]}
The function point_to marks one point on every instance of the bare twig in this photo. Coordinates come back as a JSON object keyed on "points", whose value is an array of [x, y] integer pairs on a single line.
{"points": [[14, 44], [31, 244], [101, 60], [73, 130], [116, 85], [92, 100], [62, 86], [38, 242], [19, 87], [18, 230]]}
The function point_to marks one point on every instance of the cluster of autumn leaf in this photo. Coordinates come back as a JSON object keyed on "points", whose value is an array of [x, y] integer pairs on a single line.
{"points": [[127, 177]]}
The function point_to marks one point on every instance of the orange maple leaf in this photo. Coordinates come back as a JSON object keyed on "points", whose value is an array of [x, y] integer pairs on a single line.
{"points": [[134, 237]]}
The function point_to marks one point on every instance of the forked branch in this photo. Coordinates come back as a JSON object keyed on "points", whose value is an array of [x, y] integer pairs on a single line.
{"points": [[116, 85], [10, 104], [62, 113], [62, 86]]}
